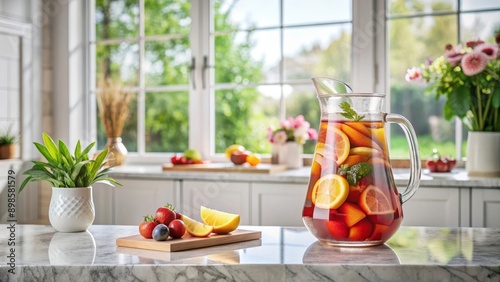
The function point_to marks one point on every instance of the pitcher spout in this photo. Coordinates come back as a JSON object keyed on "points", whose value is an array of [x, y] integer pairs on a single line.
{"points": [[326, 86]]}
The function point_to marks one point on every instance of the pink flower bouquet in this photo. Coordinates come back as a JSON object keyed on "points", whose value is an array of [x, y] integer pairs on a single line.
{"points": [[469, 77], [292, 130]]}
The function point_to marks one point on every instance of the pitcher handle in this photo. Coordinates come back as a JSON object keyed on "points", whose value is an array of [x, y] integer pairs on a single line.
{"points": [[415, 164]]}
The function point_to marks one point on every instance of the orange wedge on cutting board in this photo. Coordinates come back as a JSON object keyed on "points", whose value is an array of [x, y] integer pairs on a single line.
{"points": [[223, 222]]}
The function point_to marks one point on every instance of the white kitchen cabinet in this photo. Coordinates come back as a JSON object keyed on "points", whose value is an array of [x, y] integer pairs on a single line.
{"points": [[278, 203], [232, 197], [103, 199], [139, 197], [432, 206], [485, 210]]}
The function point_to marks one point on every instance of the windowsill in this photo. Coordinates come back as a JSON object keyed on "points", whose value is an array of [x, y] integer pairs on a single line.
{"points": [[458, 178]]}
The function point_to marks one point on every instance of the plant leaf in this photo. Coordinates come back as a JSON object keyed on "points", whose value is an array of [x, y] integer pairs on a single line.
{"points": [[77, 168], [26, 181], [99, 162], [78, 151], [51, 146], [45, 152], [87, 150], [349, 112], [495, 100], [460, 101], [63, 149]]}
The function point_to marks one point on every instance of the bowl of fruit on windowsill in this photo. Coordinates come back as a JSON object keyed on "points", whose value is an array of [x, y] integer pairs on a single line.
{"points": [[440, 164]]}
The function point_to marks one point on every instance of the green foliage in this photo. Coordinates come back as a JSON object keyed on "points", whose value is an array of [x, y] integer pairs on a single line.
{"points": [[468, 97], [355, 172], [65, 170], [7, 137], [349, 112]]}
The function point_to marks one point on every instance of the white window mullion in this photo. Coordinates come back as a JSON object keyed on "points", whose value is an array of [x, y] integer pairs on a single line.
{"points": [[141, 95], [362, 46], [197, 122]]}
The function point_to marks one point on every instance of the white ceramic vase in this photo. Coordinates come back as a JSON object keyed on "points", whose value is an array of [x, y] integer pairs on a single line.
{"points": [[483, 153], [71, 209], [290, 154]]}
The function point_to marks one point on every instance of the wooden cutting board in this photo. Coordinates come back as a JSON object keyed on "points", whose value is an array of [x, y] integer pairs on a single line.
{"points": [[226, 167], [187, 242]]}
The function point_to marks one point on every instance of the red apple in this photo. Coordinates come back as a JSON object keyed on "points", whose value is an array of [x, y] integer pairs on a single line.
{"points": [[238, 157]]}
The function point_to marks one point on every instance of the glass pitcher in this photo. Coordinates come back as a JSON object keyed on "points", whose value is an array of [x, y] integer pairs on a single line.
{"points": [[352, 199]]}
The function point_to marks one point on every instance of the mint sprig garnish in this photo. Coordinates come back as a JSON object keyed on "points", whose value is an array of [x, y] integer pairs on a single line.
{"points": [[349, 112], [355, 172]]}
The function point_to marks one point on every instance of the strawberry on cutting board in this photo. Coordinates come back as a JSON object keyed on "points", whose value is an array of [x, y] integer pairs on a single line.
{"points": [[146, 227]]}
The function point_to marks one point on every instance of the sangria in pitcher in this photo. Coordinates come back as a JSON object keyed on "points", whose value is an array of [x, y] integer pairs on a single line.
{"points": [[352, 199]]}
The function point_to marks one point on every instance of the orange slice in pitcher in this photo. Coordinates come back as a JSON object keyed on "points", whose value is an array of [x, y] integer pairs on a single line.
{"points": [[330, 191], [374, 201], [340, 149]]}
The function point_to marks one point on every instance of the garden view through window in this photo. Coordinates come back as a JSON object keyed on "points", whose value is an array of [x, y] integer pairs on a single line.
{"points": [[259, 62]]}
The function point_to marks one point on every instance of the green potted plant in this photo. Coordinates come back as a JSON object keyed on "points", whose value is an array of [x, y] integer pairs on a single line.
{"points": [[71, 176], [8, 141]]}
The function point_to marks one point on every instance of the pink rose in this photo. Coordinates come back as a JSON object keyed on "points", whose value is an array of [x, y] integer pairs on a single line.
{"points": [[474, 63], [313, 134], [299, 121], [414, 75], [280, 137], [490, 50], [474, 43]]}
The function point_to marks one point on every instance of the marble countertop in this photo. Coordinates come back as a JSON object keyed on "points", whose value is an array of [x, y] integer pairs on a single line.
{"points": [[283, 254], [457, 178]]}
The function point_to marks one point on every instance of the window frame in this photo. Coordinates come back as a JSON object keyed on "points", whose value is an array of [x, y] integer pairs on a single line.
{"points": [[369, 72]]}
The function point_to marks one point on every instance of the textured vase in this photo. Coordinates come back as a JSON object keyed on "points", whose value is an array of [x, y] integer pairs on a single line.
{"points": [[290, 154], [117, 151], [71, 209], [483, 153]]}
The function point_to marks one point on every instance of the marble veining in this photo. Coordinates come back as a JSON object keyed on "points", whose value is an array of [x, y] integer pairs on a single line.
{"points": [[282, 254], [458, 178]]}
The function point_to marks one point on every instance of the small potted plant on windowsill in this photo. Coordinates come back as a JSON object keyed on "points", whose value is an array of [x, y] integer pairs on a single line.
{"points": [[71, 176], [8, 141]]}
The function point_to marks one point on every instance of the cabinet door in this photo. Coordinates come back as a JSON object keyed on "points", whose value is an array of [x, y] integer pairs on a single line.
{"points": [[232, 197], [433, 207], [139, 197], [103, 197], [278, 204], [485, 207]]}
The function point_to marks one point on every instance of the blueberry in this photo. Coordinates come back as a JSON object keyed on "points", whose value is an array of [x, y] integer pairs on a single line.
{"points": [[161, 232]]}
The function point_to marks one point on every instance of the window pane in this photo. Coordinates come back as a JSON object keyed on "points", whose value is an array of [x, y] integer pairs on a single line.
{"points": [[479, 4], [318, 11], [246, 14], [480, 25], [129, 133], [120, 61], [167, 122], [302, 100], [116, 19], [242, 116], [402, 7], [167, 17], [167, 62], [318, 51], [247, 57], [411, 42]]}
